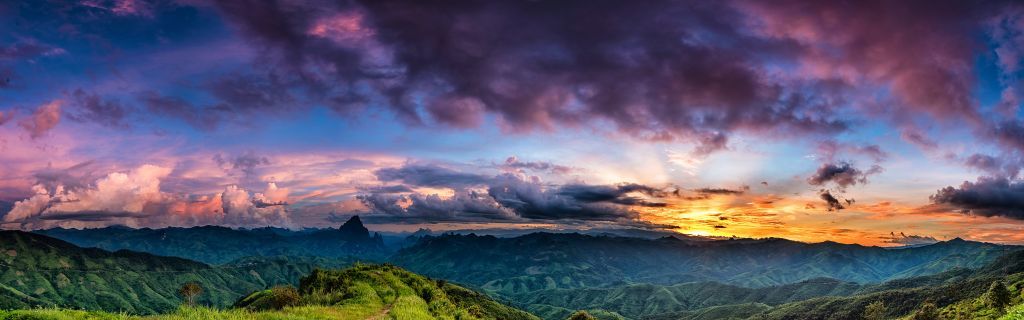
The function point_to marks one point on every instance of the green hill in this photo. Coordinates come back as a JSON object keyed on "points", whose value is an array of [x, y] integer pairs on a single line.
{"points": [[36, 270], [360, 292]]}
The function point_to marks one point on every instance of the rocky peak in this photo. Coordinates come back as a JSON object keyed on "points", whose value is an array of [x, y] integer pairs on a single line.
{"points": [[353, 229]]}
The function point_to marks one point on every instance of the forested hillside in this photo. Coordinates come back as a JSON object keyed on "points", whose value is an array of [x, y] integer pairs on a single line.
{"points": [[542, 261], [36, 270]]}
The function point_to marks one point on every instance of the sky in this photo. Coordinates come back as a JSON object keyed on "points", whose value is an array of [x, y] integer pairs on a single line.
{"points": [[874, 122]]}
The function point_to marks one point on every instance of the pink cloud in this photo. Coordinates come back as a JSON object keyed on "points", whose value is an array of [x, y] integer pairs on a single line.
{"points": [[43, 119]]}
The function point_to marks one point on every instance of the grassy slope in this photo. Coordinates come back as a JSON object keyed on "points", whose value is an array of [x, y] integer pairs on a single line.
{"points": [[361, 292]]}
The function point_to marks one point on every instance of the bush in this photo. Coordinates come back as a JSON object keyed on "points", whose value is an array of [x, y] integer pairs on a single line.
{"points": [[581, 315], [283, 296]]}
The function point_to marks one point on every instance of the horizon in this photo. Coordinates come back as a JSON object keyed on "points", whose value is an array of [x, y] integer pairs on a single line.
{"points": [[515, 233], [726, 119]]}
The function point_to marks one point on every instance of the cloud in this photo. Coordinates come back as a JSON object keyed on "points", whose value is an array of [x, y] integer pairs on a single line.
{"points": [[504, 197], [399, 188], [243, 209], [988, 196], [833, 203], [993, 166], [830, 149], [430, 175], [116, 193], [661, 70], [881, 43], [135, 198], [908, 240], [918, 138], [43, 119], [418, 208], [27, 50], [6, 116], [843, 174], [203, 118], [93, 108], [513, 163], [722, 191], [246, 163]]}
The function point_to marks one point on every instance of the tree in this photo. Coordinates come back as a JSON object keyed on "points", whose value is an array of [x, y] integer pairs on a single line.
{"points": [[581, 315], [997, 297], [190, 290], [284, 296], [928, 311], [875, 311]]}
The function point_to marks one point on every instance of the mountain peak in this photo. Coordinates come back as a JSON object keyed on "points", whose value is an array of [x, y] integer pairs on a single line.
{"points": [[354, 229]]}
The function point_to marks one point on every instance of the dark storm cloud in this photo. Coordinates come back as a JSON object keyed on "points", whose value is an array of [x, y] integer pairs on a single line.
{"points": [[843, 174], [506, 197], [987, 197], [908, 240], [463, 207], [657, 70], [619, 194], [429, 175], [832, 203], [722, 191]]}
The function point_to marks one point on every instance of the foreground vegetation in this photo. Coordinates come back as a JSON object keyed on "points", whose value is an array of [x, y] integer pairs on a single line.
{"points": [[360, 292]]}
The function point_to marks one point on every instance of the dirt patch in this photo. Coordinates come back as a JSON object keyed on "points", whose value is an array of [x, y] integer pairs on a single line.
{"points": [[12, 253]]}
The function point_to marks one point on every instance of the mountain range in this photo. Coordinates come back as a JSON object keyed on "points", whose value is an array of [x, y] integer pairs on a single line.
{"points": [[217, 245], [542, 261], [551, 275]]}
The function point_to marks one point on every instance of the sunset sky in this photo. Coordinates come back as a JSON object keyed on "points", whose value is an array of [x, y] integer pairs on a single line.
{"points": [[885, 123]]}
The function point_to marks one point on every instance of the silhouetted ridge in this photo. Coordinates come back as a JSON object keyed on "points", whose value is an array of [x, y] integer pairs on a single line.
{"points": [[353, 230]]}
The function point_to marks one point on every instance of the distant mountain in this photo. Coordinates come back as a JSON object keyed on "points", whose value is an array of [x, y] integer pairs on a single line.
{"points": [[541, 261], [36, 270], [217, 245]]}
